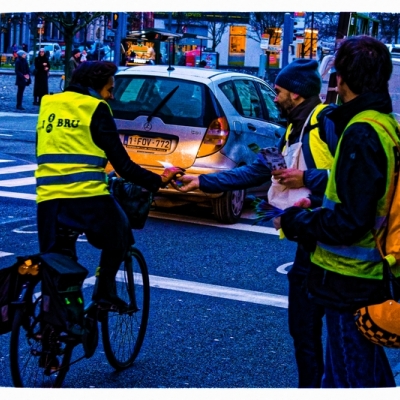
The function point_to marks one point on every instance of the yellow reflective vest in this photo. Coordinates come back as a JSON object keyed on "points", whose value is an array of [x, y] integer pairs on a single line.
{"points": [[320, 152], [70, 165], [362, 259]]}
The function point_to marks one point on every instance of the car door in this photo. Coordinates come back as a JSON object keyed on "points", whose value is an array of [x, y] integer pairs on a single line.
{"points": [[254, 123]]}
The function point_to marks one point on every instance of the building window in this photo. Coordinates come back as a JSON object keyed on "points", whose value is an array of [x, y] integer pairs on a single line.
{"points": [[237, 39]]}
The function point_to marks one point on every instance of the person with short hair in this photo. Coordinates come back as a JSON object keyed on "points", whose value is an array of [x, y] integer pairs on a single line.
{"points": [[347, 269], [76, 137]]}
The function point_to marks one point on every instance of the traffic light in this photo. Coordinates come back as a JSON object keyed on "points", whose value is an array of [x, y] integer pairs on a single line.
{"points": [[115, 20], [298, 25]]}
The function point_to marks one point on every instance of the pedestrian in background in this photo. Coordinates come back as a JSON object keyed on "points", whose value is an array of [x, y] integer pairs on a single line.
{"points": [[73, 64], [314, 139], [23, 78], [42, 70], [83, 56], [347, 269], [15, 50]]}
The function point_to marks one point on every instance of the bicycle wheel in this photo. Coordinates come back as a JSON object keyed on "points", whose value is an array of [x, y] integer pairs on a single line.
{"points": [[123, 333], [31, 365]]}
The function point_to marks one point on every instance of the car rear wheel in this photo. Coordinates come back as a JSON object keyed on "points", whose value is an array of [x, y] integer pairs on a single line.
{"points": [[228, 208]]}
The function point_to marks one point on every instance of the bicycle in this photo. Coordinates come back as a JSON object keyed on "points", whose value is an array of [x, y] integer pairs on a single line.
{"points": [[41, 354]]}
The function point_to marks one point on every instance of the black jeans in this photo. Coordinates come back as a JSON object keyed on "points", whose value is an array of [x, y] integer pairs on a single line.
{"points": [[352, 361], [305, 325], [20, 93], [104, 223]]}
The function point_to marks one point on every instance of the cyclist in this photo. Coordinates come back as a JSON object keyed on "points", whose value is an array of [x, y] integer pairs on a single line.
{"points": [[76, 136]]}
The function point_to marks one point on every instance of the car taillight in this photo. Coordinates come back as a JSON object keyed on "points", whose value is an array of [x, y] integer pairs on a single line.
{"points": [[215, 137]]}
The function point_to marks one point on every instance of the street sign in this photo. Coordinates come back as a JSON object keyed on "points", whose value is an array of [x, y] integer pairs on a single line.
{"points": [[264, 43]]}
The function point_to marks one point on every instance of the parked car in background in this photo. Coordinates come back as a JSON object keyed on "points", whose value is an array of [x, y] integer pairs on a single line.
{"points": [[198, 119], [53, 50], [394, 50]]}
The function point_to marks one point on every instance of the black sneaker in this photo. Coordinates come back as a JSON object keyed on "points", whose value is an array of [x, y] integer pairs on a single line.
{"points": [[20, 108]]}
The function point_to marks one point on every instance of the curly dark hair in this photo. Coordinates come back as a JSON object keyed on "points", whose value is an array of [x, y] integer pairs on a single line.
{"points": [[364, 64], [93, 74]]}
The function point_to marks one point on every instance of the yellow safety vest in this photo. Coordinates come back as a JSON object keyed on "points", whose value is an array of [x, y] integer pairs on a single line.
{"points": [[70, 165], [319, 149], [362, 259]]}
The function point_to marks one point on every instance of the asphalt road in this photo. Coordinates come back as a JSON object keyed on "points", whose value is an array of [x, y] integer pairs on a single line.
{"points": [[218, 302]]}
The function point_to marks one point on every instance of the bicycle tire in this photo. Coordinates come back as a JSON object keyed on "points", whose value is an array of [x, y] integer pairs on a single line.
{"points": [[123, 333], [26, 349]]}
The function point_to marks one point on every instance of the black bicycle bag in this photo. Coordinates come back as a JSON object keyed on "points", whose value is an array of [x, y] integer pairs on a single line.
{"points": [[62, 298], [8, 292]]}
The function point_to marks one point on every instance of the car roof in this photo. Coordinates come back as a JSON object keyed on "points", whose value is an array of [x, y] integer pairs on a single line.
{"points": [[181, 72]]}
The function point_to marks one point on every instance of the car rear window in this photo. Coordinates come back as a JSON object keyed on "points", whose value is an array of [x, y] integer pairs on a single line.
{"points": [[140, 95]]}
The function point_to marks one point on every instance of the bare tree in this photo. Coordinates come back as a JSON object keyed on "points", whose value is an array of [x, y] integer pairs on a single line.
{"points": [[265, 22], [215, 31], [69, 24], [389, 26]]}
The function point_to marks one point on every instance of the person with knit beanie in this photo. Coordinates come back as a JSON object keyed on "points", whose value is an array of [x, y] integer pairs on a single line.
{"points": [[300, 77], [22, 74], [297, 89]]}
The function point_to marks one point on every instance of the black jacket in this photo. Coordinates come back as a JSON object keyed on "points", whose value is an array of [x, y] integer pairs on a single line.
{"points": [[105, 135], [360, 181], [21, 69]]}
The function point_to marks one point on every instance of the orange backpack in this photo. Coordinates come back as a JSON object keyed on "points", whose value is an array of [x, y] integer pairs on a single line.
{"points": [[390, 251]]}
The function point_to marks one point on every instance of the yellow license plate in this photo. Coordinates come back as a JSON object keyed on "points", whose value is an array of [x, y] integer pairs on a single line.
{"points": [[146, 143]]}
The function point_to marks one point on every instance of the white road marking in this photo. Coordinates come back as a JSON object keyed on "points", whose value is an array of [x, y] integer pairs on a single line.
{"points": [[205, 289], [282, 268], [18, 182], [19, 130], [18, 168], [4, 161], [15, 114], [4, 254], [22, 229], [200, 221], [24, 196]]}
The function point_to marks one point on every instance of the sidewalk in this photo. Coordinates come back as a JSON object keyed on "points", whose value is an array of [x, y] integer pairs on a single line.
{"points": [[8, 92]]}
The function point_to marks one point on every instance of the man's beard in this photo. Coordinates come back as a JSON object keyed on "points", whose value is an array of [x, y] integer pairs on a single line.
{"points": [[285, 109]]}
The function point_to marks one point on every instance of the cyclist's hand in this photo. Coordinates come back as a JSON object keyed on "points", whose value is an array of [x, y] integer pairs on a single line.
{"points": [[171, 173], [186, 183]]}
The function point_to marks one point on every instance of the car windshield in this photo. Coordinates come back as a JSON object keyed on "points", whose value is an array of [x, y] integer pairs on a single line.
{"points": [[140, 95]]}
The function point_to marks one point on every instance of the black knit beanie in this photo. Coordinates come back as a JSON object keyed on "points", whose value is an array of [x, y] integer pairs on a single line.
{"points": [[301, 76]]}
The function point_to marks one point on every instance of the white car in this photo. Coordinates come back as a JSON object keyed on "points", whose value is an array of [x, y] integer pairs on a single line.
{"points": [[202, 120], [394, 50], [54, 50]]}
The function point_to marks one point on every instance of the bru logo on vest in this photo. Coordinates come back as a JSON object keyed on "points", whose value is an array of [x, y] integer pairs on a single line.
{"points": [[60, 122], [68, 123]]}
